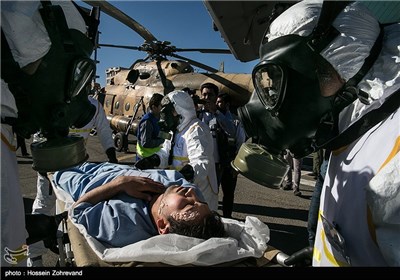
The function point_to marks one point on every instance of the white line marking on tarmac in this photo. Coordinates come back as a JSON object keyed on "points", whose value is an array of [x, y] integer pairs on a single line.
{"points": [[307, 182]]}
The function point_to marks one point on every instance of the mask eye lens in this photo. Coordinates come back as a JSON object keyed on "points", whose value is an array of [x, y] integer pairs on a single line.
{"points": [[268, 80], [82, 74]]}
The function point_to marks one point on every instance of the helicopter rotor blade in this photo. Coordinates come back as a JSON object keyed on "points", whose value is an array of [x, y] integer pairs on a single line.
{"points": [[122, 17], [195, 63], [120, 46], [204, 50], [144, 33]]}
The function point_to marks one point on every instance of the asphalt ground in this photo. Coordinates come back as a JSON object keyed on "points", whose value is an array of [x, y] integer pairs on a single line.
{"points": [[285, 214]]}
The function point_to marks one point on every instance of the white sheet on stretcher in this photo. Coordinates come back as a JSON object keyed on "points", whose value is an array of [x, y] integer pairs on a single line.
{"points": [[246, 239]]}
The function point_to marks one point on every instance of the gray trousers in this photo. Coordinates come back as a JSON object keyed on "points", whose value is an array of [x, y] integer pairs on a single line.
{"points": [[295, 167]]}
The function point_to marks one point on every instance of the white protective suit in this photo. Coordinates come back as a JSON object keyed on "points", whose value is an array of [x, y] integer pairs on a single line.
{"points": [[45, 199], [194, 146], [28, 40], [44, 203], [361, 191]]}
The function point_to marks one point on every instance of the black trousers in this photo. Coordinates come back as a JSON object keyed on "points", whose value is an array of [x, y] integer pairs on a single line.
{"points": [[21, 144], [227, 178]]}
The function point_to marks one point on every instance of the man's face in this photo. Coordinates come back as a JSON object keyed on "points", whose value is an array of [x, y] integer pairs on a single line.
{"points": [[182, 204], [210, 97], [221, 104], [156, 110]]}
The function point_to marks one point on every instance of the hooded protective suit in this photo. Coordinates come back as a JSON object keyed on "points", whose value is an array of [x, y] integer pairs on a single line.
{"points": [[28, 41], [359, 221], [45, 200], [193, 144]]}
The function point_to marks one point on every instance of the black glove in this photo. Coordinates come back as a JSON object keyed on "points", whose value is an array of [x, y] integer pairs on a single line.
{"points": [[112, 157], [187, 172], [302, 257], [148, 162]]}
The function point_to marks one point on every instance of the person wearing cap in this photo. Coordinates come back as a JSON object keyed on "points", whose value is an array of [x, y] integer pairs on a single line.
{"points": [[190, 151], [328, 77]]}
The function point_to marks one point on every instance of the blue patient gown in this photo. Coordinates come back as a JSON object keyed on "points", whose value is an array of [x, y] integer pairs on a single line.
{"points": [[123, 219]]}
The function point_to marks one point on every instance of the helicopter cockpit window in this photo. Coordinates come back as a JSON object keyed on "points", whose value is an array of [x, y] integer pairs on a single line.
{"points": [[144, 75], [133, 75], [116, 106], [127, 106]]}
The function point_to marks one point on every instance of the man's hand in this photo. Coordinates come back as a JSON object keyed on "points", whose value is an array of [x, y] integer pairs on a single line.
{"points": [[188, 172], [148, 162], [141, 187]]}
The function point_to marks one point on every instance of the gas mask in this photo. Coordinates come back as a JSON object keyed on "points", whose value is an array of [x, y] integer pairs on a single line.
{"points": [[287, 105], [55, 97], [168, 121], [287, 110]]}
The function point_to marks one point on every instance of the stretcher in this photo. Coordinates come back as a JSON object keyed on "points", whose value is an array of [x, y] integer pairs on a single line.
{"points": [[246, 245]]}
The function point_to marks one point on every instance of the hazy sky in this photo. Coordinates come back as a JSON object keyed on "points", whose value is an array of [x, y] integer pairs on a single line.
{"points": [[186, 24]]}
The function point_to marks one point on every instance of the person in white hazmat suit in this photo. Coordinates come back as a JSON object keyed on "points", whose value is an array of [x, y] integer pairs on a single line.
{"points": [[341, 86], [34, 78], [45, 200], [191, 149]]}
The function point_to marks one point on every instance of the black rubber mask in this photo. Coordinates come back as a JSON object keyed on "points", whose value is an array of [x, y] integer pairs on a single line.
{"points": [[287, 106], [55, 96], [168, 121]]}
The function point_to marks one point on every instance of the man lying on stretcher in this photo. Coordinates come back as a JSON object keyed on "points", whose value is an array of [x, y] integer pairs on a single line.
{"points": [[121, 205]]}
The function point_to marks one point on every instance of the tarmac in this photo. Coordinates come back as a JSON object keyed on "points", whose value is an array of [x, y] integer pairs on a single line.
{"points": [[285, 214]]}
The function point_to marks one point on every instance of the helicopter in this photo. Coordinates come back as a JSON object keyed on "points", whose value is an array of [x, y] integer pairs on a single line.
{"points": [[128, 90]]}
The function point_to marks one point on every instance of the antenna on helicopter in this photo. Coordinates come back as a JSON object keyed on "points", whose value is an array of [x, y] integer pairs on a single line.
{"points": [[221, 67]]}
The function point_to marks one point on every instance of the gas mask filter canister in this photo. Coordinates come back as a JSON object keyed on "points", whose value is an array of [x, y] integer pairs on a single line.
{"points": [[257, 164]]}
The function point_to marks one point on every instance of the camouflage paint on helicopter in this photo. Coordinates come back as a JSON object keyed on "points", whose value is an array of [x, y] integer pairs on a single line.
{"points": [[125, 88]]}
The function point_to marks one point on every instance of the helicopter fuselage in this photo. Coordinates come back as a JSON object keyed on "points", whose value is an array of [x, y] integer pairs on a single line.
{"points": [[124, 105]]}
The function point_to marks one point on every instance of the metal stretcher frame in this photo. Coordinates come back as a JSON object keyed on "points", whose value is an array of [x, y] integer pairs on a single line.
{"points": [[76, 251]]}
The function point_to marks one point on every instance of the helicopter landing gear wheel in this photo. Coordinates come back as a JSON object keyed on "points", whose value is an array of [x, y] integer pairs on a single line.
{"points": [[120, 142]]}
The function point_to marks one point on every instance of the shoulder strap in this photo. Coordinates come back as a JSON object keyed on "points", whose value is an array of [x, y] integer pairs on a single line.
{"points": [[366, 122], [324, 32], [91, 19]]}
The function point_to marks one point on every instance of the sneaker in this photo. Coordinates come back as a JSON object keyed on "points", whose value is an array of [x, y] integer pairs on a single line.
{"points": [[297, 193]]}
